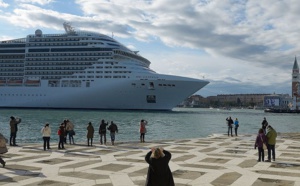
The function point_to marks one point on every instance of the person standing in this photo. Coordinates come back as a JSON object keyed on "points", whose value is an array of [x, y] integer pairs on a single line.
{"points": [[46, 131], [271, 136], [264, 124], [159, 172], [13, 130], [70, 131], [143, 130], [229, 123], [61, 135], [3, 148], [113, 128], [260, 140], [102, 131], [236, 126], [90, 134]]}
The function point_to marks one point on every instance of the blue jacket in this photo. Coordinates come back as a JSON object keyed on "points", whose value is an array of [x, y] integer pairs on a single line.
{"points": [[236, 123]]}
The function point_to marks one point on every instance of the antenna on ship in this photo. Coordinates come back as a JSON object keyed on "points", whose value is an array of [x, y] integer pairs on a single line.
{"points": [[112, 34], [68, 28]]}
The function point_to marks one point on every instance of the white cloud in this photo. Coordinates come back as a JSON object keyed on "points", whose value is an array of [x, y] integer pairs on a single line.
{"points": [[131, 47], [41, 2], [3, 4]]}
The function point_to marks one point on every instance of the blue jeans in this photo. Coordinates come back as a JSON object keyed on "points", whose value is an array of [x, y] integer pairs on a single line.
{"points": [[235, 130], [102, 135], [113, 136], [230, 128], [12, 139], [71, 138], [271, 148], [46, 142]]}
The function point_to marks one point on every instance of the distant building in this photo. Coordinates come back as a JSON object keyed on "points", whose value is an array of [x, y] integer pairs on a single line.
{"points": [[226, 100], [242, 100], [277, 101]]}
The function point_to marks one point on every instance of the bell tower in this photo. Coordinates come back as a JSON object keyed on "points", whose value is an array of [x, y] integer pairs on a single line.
{"points": [[295, 85], [295, 78]]}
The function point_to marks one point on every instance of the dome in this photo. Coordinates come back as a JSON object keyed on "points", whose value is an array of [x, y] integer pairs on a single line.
{"points": [[38, 32]]}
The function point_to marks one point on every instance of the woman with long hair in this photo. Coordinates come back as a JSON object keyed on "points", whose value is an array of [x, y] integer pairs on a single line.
{"points": [[159, 172]]}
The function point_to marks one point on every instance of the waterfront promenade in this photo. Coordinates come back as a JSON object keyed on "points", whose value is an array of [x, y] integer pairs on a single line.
{"points": [[215, 160]]}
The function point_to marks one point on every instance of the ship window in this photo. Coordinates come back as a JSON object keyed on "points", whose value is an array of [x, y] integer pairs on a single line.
{"points": [[151, 85]]}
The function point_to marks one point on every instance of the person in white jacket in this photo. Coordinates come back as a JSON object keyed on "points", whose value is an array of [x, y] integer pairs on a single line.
{"points": [[46, 131]]}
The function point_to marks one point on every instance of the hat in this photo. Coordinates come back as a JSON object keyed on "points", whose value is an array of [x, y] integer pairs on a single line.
{"points": [[11, 117]]}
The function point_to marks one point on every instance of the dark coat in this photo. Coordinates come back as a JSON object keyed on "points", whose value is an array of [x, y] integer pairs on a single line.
{"points": [[90, 131], [113, 128], [3, 141], [159, 172], [102, 128], [14, 124]]}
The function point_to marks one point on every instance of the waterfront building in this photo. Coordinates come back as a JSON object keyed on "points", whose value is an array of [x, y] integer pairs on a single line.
{"points": [[277, 101], [226, 100]]}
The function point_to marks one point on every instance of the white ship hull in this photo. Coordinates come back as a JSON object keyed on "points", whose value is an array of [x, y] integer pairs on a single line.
{"points": [[101, 95]]}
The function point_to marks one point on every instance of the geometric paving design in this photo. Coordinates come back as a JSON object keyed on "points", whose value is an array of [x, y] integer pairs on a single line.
{"points": [[213, 161]]}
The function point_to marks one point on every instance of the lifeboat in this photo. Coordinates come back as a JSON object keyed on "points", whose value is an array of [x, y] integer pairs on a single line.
{"points": [[2, 82], [15, 82], [32, 83]]}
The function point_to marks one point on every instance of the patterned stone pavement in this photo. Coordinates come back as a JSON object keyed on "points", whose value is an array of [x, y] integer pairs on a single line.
{"points": [[216, 160]]}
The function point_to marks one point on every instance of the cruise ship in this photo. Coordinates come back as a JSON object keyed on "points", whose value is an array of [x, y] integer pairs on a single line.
{"points": [[84, 70]]}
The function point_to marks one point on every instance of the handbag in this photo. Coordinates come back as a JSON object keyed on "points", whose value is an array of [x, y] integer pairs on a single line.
{"points": [[72, 132], [264, 145]]}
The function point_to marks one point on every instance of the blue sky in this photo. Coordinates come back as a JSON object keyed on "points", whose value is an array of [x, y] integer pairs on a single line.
{"points": [[240, 46]]}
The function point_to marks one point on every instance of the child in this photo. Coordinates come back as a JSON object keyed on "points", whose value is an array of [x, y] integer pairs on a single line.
{"points": [[61, 135], [143, 130], [260, 140]]}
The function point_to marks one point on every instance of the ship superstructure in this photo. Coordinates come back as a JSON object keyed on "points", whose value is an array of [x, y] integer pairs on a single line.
{"points": [[84, 70]]}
